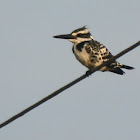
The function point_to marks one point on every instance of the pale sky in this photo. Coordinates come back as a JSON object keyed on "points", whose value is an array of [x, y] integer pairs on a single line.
{"points": [[105, 106]]}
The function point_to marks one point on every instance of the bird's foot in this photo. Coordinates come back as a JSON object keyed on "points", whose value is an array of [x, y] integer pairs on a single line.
{"points": [[88, 73]]}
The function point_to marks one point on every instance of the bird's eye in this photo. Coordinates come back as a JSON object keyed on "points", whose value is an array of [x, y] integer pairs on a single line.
{"points": [[87, 35], [79, 35]]}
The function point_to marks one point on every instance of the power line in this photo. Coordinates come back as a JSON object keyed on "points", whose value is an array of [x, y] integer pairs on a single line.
{"points": [[67, 86]]}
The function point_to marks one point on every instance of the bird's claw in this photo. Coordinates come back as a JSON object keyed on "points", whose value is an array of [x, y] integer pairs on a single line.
{"points": [[88, 73]]}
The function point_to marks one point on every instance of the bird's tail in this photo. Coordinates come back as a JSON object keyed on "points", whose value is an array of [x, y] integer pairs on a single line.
{"points": [[127, 67], [118, 69]]}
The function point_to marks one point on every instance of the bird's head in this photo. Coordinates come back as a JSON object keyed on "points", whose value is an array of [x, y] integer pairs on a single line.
{"points": [[77, 36]]}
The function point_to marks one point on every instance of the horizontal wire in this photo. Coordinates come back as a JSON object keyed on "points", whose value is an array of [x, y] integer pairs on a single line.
{"points": [[67, 86]]}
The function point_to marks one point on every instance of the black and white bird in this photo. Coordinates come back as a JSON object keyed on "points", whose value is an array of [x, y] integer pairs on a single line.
{"points": [[90, 52]]}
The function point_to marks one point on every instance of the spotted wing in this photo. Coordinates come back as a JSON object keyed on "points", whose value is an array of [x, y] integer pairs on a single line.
{"points": [[100, 54]]}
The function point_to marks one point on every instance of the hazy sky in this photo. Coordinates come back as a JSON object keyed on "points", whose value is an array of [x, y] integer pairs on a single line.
{"points": [[33, 64]]}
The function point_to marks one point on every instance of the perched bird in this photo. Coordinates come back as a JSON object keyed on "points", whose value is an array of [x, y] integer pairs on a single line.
{"points": [[90, 52]]}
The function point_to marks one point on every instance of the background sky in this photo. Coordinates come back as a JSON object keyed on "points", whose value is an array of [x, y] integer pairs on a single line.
{"points": [[33, 64]]}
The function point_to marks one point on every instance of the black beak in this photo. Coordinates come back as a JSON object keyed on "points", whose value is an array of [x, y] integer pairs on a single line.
{"points": [[67, 36]]}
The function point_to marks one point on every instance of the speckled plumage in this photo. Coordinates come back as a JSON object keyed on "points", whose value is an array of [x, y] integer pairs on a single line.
{"points": [[90, 52]]}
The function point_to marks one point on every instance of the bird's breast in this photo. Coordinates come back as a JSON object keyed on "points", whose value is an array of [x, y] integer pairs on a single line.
{"points": [[82, 56]]}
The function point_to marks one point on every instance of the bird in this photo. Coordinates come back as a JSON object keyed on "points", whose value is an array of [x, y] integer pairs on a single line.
{"points": [[90, 52]]}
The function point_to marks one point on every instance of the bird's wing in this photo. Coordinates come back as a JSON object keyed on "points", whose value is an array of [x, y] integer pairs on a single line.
{"points": [[100, 54]]}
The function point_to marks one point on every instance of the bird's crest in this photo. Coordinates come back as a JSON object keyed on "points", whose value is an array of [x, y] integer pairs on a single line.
{"points": [[79, 29]]}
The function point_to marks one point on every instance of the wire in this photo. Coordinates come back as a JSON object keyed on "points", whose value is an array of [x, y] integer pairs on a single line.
{"points": [[67, 86]]}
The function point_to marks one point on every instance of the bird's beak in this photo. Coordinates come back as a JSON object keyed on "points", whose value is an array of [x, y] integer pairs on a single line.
{"points": [[67, 36]]}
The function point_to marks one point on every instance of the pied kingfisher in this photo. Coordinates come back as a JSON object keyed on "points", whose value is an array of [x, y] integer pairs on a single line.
{"points": [[90, 52]]}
